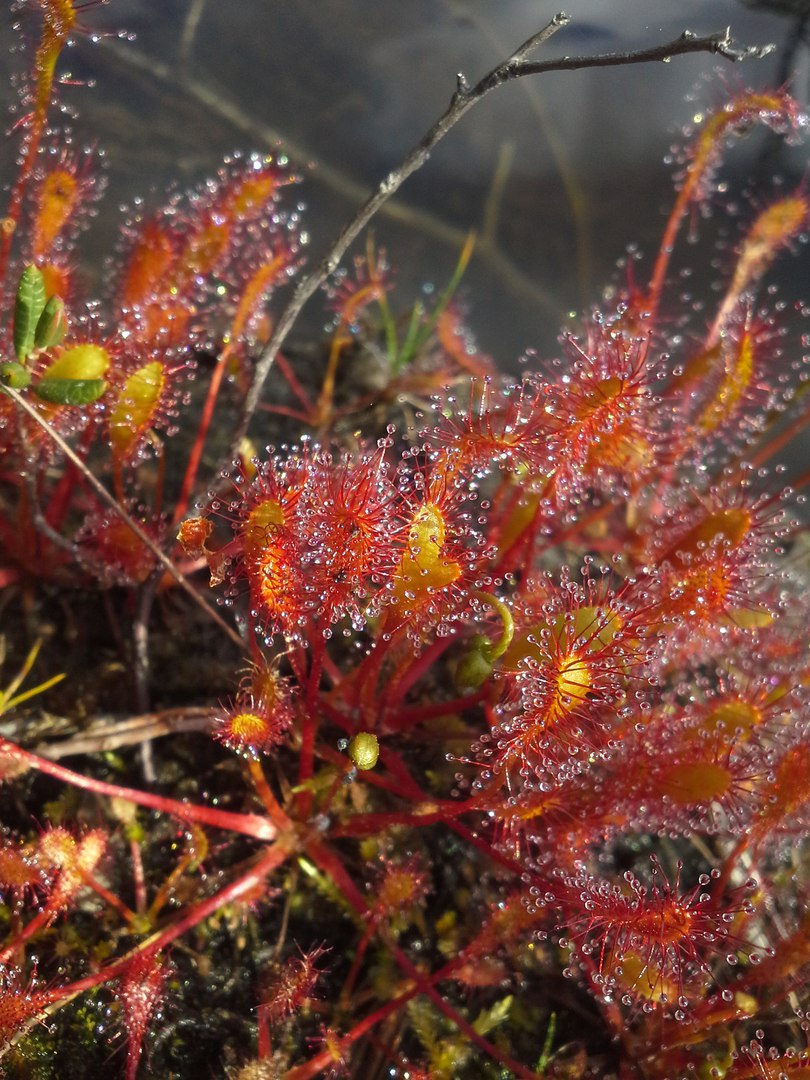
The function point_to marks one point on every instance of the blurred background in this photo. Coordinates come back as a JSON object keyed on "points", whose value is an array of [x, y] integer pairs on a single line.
{"points": [[558, 174]]}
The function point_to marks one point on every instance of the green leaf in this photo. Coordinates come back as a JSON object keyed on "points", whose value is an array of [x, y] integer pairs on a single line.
{"points": [[421, 325], [545, 1057], [14, 375], [491, 1018], [70, 391], [51, 325], [28, 306]]}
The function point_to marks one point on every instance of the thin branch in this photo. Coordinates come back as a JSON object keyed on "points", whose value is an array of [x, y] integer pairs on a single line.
{"points": [[121, 513], [141, 663], [515, 67], [111, 733], [41, 524], [215, 100]]}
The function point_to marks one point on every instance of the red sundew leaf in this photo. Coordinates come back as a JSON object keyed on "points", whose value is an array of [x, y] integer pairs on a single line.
{"points": [[535, 817], [21, 873], [112, 552], [507, 427], [729, 390], [754, 1062], [148, 265], [670, 779], [347, 522], [68, 861], [57, 200], [458, 343], [253, 188], [441, 556], [265, 549], [579, 651], [702, 766], [136, 407], [140, 991], [142, 398], [21, 1003], [400, 886], [290, 985], [208, 256], [609, 427], [257, 722], [350, 297], [275, 585], [785, 796], [701, 158], [787, 968], [774, 108], [711, 558], [66, 185], [256, 290], [650, 945], [775, 227]]}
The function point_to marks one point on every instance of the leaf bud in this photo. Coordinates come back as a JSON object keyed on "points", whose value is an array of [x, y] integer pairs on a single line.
{"points": [[364, 749], [475, 666]]}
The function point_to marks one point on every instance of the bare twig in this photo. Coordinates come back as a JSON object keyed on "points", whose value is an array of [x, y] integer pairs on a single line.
{"points": [[216, 101], [515, 67], [110, 733], [141, 664], [41, 523], [121, 513]]}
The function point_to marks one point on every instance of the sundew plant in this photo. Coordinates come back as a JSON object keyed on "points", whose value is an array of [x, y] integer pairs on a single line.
{"points": [[431, 724]]}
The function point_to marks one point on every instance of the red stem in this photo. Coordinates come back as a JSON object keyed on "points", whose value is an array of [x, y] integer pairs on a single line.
{"points": [[42, 918], [265, 793], [248, 881], [306, 766], [247, 824], [114, 901], [324, 1059], [60, 500], [264, 1044], [652, 299], [794, 428], [202, 432], [333, 866], [138, 876], [373, 824], [354, 971], [401, 684], [409, 717], [284, 367]]}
